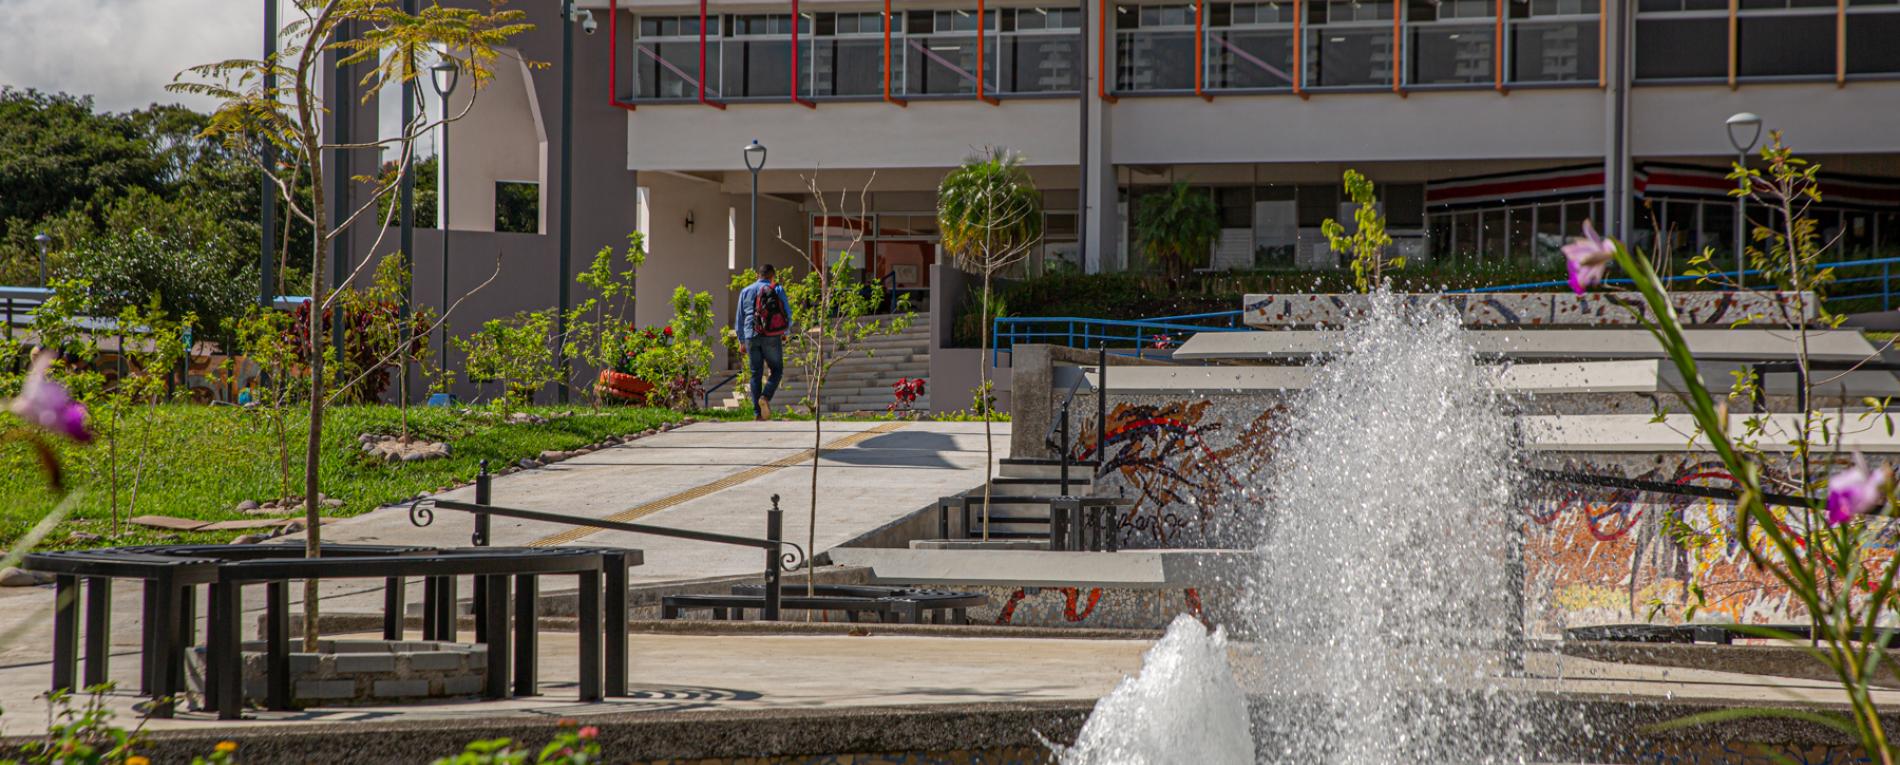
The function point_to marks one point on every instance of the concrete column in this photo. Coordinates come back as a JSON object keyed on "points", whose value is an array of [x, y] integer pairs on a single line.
{"points": [[1100, 225], [1619, 187]]}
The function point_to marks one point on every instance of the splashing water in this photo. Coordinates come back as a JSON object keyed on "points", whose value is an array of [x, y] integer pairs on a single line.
{"points": [[1384, 582], [1202, 717], [1382, 606]]}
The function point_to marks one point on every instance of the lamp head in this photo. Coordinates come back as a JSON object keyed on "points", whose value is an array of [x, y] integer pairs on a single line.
{"points": [[444, 76], [754, 155], [1744, 124], [43, 239]]}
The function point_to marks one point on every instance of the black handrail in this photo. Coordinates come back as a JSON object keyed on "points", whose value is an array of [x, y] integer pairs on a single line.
{"points": [[776, 559], [1660, 487]]}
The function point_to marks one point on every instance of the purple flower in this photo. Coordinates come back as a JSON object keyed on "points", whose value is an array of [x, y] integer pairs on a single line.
{"points": [[1589, 256], [1855, 491], [43, 402]]}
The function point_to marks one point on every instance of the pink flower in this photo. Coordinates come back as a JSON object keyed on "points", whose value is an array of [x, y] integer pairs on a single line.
{"points": [[588, 733], [44, 403], [1589, 256], [1162, 342], [1855, 491]]}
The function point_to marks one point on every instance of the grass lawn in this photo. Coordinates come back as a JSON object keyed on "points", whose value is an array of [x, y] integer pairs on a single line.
{"points": [[200, 462]]}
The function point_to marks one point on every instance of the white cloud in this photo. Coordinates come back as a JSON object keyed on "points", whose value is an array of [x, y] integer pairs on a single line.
{"points": [[122, 52]]}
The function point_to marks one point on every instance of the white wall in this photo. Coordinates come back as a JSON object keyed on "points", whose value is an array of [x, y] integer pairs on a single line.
{"points": [[502, 139], [1815, 117], [849, 135]]}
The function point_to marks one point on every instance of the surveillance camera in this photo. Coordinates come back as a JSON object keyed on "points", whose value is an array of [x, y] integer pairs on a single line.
{"points": [[588, 24]]}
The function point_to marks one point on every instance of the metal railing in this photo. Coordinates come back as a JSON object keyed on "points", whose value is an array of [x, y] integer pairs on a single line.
{"points": [[1865, 280], [1082, 332], [777, 560]]}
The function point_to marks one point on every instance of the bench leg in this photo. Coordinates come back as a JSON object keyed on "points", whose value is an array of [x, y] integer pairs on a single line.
{"points": [[186, 629], [527, 635], [164, 605], [277, 642], [445, 627], [669, 611], [65, 632], [393, 607], [430, 593], [478, 602], [225, 649], [616, 626], [590, 634], [148, 635], [98, 629], [497, 632]]}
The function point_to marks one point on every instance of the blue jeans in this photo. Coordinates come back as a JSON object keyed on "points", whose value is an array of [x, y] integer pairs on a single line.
{"points": [[765, 352]]}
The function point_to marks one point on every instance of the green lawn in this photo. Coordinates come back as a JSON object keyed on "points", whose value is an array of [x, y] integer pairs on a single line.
{"points": [[200, 462]]}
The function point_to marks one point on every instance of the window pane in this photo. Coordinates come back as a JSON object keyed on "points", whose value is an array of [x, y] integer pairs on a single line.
{"points": [[517, 207], [852, 67], [1251, 59], [1443, 55], [1786, 45], [1235, 205], [1404, 204], [1521, 239], [668, 69], [941, 64], [1554, 52], [1681, 48], [1870, 43], [1492, 230], [1153, 60], [1039, 63], [1349, 56], [756, 68], [1718, 229], [1276, 231], [1548, 249]]}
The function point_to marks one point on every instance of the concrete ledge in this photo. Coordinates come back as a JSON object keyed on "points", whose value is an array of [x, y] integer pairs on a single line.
{"points": [[1775, 660], [1131, 569], [1554, 344]]}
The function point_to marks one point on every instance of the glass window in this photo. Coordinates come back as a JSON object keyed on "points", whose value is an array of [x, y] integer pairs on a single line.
{"points": [[1316, 204], [1039, 63], [1681, 48], [1718, 228], [1548, 248], [1347, 56], [1870, 43], [1154, 48], [1554, 51], [1404, 204], [1782, 45], [1564, 7], [1521, 233], [1235, 205], [1443, 54], [1276, 230], [1250, 58], [669, 69], [1492, 236]]}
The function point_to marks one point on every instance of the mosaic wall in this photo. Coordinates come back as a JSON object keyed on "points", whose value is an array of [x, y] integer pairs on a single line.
{"points": [[1096, 607], [1014, 755], [1594, 556], [1534, 309]]}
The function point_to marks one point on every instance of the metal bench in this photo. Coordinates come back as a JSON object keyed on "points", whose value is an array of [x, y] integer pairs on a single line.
{"points": [[900, 604]]}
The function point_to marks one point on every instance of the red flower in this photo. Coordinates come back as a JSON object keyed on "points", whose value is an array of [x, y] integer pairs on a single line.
{"points": [[588, 733], [668, 331]]}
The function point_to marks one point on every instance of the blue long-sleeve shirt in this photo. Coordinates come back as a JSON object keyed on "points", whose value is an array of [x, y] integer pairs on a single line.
{"points": [[748, 299]]}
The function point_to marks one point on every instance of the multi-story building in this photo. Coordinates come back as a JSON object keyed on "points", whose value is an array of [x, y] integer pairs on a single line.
{"points": [[1492, 127]]}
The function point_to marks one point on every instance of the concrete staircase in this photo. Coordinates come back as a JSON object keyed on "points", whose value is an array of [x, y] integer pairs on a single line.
{"points": [[859, 383], [1020, 496]]}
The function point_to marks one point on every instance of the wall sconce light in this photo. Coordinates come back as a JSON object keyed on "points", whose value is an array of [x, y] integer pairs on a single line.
{"points": [[689, 221]]}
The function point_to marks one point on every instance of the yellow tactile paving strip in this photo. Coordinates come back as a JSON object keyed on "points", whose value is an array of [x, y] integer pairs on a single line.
{"points": [[640, 511]]}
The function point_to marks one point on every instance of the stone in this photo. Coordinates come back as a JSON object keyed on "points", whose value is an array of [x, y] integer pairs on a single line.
{"points": [[400, 688], [332, 502], [528, 464], [352, 663], [326, 689], [413, 456], [465, 685], [17, 577], [247, 506], [435, 661], [250, 539], [551, 455], [82, 536]]}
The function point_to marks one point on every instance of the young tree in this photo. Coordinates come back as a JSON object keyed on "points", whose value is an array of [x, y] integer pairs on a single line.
{"points": [[278, 102], [597, 327], [830, 307], [1368, 241], [990, 214], [1176, 228]]}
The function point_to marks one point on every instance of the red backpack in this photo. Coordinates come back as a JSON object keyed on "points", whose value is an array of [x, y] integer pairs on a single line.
{"points": [[769, 318]]}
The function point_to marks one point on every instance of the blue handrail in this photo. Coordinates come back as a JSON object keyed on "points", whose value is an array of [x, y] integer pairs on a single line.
{"points": [[1084, 332], [1885, 278]]}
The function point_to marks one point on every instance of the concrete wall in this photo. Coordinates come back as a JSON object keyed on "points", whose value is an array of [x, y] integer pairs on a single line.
{"points": [[1816, 117], [503, 138], [848, 135]]}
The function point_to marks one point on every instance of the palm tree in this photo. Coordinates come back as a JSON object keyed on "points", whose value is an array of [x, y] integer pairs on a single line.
{"points": [[1177, 227], [990, 215]]}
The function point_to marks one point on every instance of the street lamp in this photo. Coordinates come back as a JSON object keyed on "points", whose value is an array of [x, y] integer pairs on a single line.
{"points": [[1744, 123], [755, 161], [443, 77], [45, 241]]}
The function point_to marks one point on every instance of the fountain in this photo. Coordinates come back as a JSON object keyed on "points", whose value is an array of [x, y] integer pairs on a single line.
{"points": [[1382, 601]]}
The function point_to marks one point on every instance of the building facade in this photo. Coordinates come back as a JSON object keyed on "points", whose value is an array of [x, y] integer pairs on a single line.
{"points": [[1492, 128]]}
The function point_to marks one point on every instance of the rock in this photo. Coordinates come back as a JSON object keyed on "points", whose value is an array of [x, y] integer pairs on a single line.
{"points": [[250, 539], [291, 528], [332, 502], [247, 506], [553, 456], [17, 577], [528, 464], [83, 536], [412, 456]]}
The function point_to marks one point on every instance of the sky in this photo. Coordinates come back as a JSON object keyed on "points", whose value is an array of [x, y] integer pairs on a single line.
{"points": [[124, 52]]}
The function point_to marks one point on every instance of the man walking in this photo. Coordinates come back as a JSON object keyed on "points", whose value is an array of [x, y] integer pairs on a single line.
{"points": [[763, 316]]}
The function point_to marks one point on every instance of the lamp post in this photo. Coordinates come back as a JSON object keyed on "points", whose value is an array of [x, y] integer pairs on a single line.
{"points": [[1738, 125], [46, 241], [755, 161], [443, 77]]}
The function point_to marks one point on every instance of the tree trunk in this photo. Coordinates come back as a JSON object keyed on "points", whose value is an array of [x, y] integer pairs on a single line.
{"points": [[983, 399], [817, 454], [313, 445]]}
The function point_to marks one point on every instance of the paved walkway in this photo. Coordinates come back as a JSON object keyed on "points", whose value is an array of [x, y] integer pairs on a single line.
{"points": [[717, 477]]}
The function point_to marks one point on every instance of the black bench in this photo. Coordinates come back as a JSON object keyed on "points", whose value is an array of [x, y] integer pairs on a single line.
{"points": [[901, 604]]}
